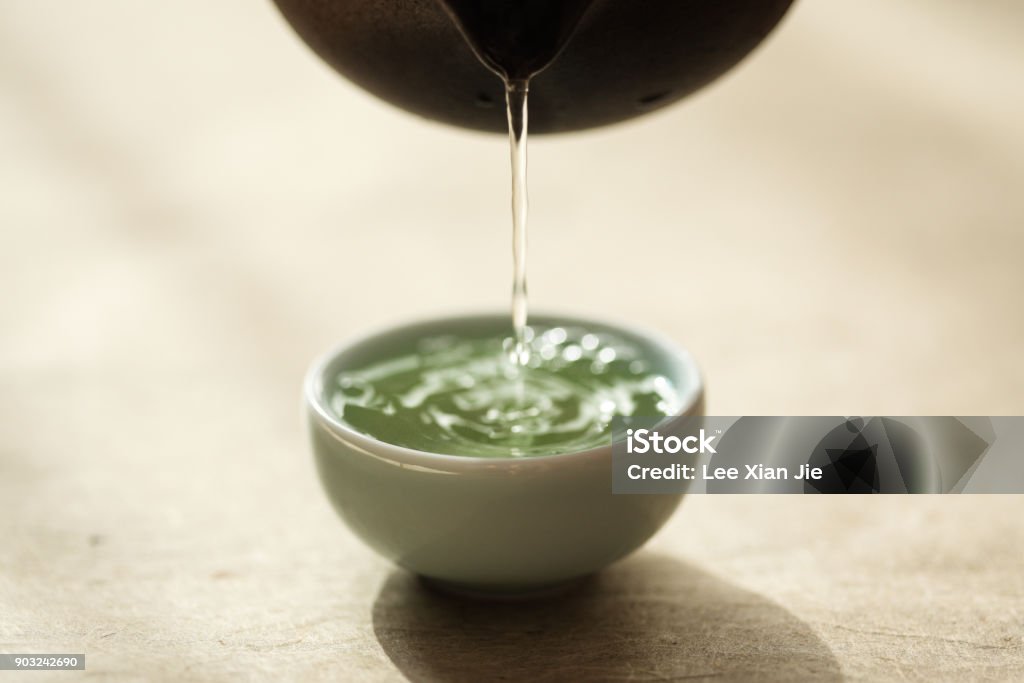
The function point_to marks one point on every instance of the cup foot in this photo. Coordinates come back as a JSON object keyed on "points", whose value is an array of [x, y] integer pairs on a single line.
{"points": [[505, 593]]}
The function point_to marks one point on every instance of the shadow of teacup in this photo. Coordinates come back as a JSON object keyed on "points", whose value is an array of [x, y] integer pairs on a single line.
{"points": [[648, 618]]}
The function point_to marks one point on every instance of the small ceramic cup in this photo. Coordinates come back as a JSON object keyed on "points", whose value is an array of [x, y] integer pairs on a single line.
{"points": [[486, 526]]}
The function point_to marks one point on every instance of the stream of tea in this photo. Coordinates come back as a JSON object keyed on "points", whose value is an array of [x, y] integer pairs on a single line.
{"points": [[547, 389], [516, 40], [517, 103]]}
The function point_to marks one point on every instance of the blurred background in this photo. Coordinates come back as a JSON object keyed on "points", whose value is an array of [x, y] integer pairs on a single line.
{"points": [[192, 206]]}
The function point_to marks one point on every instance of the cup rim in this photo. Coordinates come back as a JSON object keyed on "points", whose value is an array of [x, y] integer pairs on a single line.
{"points": [[405, 456]]}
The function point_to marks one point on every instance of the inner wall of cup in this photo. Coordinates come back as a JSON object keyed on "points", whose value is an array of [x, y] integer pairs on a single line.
{"points": [[663, 359]]}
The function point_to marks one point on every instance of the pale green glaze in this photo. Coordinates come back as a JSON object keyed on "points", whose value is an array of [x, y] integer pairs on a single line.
{"points": [[489, 524]]}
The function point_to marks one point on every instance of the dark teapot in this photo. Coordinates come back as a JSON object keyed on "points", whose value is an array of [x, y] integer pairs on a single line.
{"points": [[624, 57]]}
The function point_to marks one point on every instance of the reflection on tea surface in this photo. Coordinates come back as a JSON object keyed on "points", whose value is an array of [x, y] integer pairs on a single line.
{"points": [[467, 396]]}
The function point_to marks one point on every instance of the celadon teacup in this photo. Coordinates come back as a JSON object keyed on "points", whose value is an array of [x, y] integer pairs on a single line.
{"points": [[486, 526]]}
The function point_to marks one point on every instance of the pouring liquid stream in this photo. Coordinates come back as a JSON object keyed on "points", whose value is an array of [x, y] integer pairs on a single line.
{"points": [[517, 39], [516, 97], [549, 388]]}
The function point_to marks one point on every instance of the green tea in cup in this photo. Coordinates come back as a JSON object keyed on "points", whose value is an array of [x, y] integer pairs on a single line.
{"points": [[472, 394]]}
